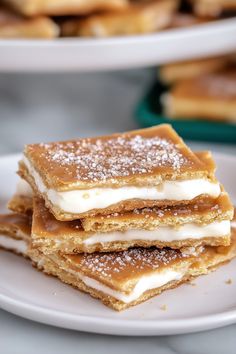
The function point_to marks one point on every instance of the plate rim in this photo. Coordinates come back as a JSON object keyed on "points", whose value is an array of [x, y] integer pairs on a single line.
{"points": [[120, 40], [113, 53], [115, 326]]}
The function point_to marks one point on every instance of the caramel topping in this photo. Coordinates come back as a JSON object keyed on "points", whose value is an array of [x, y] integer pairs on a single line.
{"points": [[216, 85], [155, 150], [45, 224], [215, 207], [127, 264], [13, 222], [115, 157]]}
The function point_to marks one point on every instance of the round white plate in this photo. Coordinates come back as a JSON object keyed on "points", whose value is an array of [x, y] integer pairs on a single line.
{"points": [[118, 53], [24, 291]]}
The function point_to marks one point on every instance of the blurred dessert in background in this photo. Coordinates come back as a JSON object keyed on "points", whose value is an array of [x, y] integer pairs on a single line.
{"points": [[103, 18], [174, 72], [211, 96], [185, 19], [64, 7], [14, 25], [204, 89], [138, 18], [213, 8]]}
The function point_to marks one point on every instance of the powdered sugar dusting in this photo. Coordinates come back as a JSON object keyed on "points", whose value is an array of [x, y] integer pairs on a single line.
{"points": [[120, 156], [219, 85], [135, 260]]}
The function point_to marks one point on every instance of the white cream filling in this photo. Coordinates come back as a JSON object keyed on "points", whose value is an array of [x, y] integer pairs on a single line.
{"points": [[145, 283], [164, 233], [13, 244], [23, 188], [233, 224], [80, 201]]}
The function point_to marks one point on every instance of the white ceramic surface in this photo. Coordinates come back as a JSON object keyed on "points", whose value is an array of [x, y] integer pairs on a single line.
{"points": [[118, 53], [30, 294]]}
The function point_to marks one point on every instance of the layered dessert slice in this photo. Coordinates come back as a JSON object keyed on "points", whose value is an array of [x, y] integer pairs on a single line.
{"points": [[205, 223], [22, 200], [121, 279], [174, 72], [210, 96], [13, 25], [15, 230], [213, 8], [186, 19], [64, 7], [124, 279], [143, 16], [120, 172]]}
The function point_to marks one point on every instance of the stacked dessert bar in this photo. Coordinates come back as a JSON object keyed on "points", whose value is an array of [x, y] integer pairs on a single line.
{"points": [[122, 217], [202, 89]]}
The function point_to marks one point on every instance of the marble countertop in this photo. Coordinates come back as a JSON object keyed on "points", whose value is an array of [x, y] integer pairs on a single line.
{"points": [[48, 107], [19, 336]]}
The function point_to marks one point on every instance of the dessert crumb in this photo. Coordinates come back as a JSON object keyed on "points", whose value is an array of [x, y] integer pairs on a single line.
{"points": [[229, 281], [191, 283], [163, 307]]}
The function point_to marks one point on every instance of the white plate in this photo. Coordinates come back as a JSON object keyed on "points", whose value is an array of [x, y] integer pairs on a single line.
{"points": [[118, 53], [30, 294]]}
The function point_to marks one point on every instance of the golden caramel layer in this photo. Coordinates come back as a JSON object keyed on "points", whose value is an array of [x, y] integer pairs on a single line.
{"points": [[142, 157], [177, 227], [203, 212], [15, 225], [128, 278]]}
